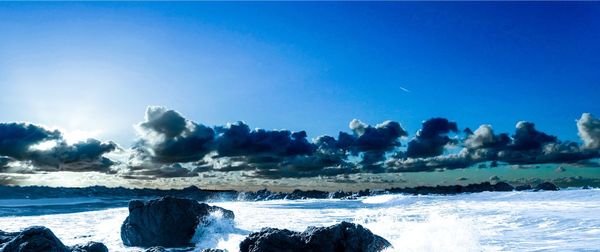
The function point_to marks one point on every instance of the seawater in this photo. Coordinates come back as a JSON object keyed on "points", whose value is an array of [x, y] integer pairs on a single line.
{"points": [[566, 220]]}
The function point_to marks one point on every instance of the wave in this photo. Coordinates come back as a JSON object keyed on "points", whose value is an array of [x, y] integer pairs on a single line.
{"points": [[215, 231]]}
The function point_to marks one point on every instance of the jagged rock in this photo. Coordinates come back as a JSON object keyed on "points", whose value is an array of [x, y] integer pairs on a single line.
{"points": [[155, 249], [6, 236], [167, 221], [345, 236], [90, 247], [503, 187], [546, 186], [33, 239]]}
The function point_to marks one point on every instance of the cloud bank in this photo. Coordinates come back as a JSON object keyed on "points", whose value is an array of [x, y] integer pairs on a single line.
{"points": [[171, 146]]}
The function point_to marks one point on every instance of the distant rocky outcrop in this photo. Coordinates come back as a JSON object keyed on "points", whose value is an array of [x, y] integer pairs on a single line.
{"points": [[90, 247], [167, 221], [546, 186], [523, 188], [345, 236]]}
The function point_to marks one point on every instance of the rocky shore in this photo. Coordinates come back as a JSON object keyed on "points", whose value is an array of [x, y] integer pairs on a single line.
{"points": [[193, 192], [169, 222]]}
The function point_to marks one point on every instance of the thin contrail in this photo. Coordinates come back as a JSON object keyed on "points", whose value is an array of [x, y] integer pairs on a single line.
{"points": [[405, 89]]}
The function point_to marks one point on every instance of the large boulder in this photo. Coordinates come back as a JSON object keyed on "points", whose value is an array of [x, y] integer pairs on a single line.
{"points": [[167, 221], [343, 237], [33, 239]]}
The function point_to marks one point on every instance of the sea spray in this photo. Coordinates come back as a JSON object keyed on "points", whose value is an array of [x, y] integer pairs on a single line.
{"points": [[215, 231]]}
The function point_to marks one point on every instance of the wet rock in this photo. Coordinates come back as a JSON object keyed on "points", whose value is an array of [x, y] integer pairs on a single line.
{"points": [[523, 187], [36, 238], [6, 236], [156, 249], [90, 247], [345, 236], [502, 187], [167, 221], [546, 186]]}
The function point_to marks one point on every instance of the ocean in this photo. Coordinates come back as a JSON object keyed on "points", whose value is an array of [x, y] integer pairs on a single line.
{"points": [[565, 220]]}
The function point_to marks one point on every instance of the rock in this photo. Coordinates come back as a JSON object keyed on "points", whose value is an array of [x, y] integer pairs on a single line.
{"points": [[503, 187], [167, 221], [33, 239], [523, 187], [90, 247], [546, 186], [345, 236], [155, 249], [213, 250], [6, 236]]}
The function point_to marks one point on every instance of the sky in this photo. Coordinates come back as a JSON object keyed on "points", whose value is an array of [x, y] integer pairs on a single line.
{"points": [[91, 70]]}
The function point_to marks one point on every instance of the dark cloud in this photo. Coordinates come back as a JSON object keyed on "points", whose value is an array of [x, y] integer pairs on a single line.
{"points": [[82, 156], [170, 146], [237, 139], [431, 138], [20, 142], [167, 137], [526, 137], [175, 170], [4, 163], [371, 143], [17, 138], [527, 146]]}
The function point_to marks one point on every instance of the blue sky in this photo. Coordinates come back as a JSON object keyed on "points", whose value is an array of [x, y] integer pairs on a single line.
{"points": [[94, 67]]}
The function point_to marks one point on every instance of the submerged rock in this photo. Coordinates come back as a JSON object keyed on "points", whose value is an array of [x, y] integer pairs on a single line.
{"points": [[167, 221], [36, 238], [345, 236], [546, 186], [90, 247]]}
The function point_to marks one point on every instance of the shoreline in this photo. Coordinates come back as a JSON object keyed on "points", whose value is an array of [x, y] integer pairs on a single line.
{"points": [[193, 192]]}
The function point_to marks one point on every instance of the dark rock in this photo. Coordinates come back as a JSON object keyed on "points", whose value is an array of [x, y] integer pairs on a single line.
{"points": [[212, 250], [90, 247], [167, 221], [6, 236], [523, 187], [155, 249], [546, 186], [33, 239], [503, 187], [345, 236]]}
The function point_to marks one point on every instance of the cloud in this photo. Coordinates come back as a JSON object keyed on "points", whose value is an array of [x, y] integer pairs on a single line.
{"points": [[167, 137], [431, 138], [526, 137], [171, 146], [237, 139], [370, 142], [17, 138], [47, 150], [589, 131]]}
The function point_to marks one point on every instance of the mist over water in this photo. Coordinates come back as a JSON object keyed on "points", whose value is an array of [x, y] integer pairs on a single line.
{"points": [[567, 220]]}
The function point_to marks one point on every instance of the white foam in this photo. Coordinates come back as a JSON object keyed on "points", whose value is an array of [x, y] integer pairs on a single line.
{"points": [[524, 221]]}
